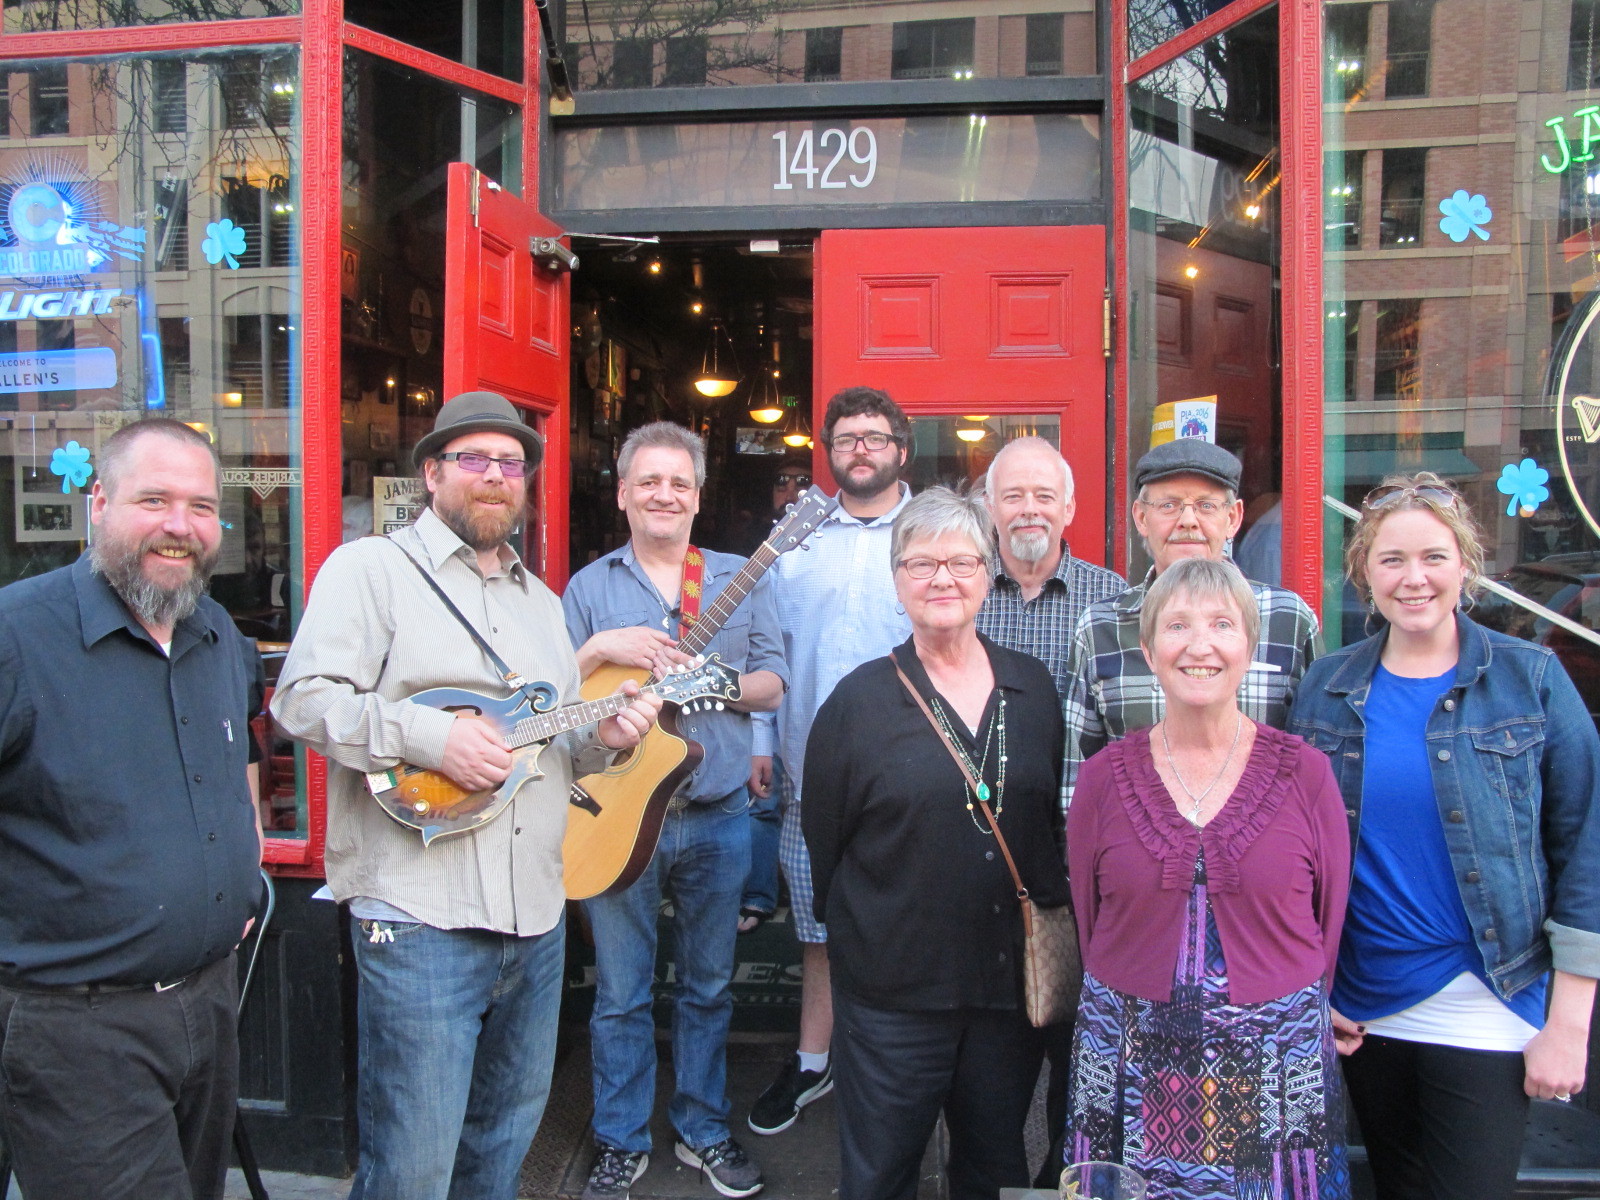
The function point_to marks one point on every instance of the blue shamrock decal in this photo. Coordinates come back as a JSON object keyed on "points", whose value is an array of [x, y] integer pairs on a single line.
{"points": [[224, 240], [1525, 483], [71, 462], [1464, 214]]}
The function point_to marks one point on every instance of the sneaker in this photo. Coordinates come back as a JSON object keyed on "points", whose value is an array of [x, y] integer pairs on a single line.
{"points": [[726, 1165], [614, 1172], [778, 1107]]}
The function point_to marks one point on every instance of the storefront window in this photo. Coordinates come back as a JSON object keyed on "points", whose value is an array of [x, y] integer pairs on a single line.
{"points": [[148, 266], [401, 130], [1464, 292], [641, 44], [28, 16], [1203, 266], [958, 450], [486, 34]]}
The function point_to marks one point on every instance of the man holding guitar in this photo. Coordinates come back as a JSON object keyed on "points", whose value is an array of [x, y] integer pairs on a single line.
{"points": [[459, 943], [632, 607]]}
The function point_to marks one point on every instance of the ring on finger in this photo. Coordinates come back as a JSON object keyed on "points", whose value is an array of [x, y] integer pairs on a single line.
{"points": [[1564, 1097]]}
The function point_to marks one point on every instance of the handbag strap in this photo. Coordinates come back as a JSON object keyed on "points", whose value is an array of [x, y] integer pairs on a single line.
{"points": [[512, 677], [973, 783]]}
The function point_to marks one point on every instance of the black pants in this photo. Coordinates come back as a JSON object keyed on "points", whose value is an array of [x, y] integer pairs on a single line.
{"points": [[1440, 1123], [123, 1095], [893, 1073]]}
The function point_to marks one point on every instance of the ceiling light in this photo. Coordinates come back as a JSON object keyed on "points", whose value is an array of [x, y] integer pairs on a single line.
{"points": [[796, 429], [719, 371], [972, 429], [1192, 271], [654, 266]]}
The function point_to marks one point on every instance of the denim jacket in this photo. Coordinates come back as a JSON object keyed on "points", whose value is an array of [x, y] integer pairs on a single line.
{"points": [[1516, 763]]}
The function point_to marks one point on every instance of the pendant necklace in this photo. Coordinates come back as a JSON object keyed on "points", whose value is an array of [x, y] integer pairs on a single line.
{"points": [[1193, 815], [996, 739]]}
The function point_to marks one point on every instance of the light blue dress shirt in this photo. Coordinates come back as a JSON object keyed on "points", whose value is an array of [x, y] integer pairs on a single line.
{"points": [[838, 609], [613, 592]]}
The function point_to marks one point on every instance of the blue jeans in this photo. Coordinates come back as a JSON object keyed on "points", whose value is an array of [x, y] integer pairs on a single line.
{"points": [[457, 1037], [766, 823], [700, 863]]}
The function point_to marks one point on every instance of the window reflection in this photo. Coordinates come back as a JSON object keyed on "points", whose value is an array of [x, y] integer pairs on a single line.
{"points": [[957, 450], [147, 267], [636, 44], [28, 16]]}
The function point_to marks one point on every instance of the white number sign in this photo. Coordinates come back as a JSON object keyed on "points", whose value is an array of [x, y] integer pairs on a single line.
{"points": [[831, 147]]}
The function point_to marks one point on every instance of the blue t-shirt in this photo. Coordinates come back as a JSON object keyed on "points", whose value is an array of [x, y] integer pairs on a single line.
{"points": [[1406, 933]]}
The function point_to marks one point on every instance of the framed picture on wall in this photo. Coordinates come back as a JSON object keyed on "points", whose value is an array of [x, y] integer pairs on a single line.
{"points": [[43, 512]]}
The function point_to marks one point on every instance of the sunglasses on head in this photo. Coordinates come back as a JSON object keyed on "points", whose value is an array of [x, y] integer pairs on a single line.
{"points": [[1393, 493]]}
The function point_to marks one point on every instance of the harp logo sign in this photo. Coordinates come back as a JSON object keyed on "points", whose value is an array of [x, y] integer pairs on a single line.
{"points": [[1572, 388], [56, 232]]}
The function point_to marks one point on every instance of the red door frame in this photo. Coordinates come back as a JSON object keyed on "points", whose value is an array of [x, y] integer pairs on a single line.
{"points": [[1300, 139], [322, 34]]}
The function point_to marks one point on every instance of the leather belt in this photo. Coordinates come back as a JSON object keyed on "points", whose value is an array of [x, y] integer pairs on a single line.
{"points": [[91, 989]]}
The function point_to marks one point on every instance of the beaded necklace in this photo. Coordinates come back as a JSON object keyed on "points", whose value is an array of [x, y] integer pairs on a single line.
{"points": [[995, 740]]}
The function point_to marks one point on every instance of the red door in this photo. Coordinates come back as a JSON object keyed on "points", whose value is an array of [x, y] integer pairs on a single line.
{"points": [[974, 320], [505, 331]]}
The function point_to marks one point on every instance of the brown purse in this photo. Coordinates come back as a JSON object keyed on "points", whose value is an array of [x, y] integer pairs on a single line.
{"points": [[1052, 967]]}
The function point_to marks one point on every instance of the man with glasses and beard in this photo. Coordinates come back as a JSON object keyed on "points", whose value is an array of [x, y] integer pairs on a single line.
{"points": [[837, 608], [129, 845], [458, 944]]}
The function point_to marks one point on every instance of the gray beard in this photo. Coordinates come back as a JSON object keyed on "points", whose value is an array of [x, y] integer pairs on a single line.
{"points": [[1030, 547], [149, 602]]}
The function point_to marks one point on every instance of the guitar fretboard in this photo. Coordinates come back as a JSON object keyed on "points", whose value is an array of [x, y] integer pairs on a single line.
{"points": [[710, 621]]}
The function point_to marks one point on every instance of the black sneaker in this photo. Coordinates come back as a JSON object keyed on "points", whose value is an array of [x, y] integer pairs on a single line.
{"points": [[726, 1165], [777, 1107], [614, 1172]]}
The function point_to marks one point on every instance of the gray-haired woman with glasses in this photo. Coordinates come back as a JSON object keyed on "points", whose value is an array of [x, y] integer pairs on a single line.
{"points": [[924, 929], [1468, 766]]}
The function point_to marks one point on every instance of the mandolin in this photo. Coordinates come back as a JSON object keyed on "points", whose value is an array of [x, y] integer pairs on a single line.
{"points": [[615, 818], [435, 807]]}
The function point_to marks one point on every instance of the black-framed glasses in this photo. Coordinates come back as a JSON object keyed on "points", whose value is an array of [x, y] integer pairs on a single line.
{"points": [[477, 464], [1393, 493], [844, 443], [960, 566], [793, 480]]}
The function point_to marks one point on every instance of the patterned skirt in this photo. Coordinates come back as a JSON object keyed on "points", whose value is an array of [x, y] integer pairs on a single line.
{"points": [[1210, 1100]]}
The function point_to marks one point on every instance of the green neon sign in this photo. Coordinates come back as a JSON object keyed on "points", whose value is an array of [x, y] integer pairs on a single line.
{"points": [[1589, 136]]}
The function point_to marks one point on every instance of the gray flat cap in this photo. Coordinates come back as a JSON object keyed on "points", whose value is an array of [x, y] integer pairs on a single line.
{"points": [[477, 412], [1188, 456]]}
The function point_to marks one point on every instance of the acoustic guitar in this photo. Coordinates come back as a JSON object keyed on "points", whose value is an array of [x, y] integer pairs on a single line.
{"points": [[615, 818], [435, 807]]}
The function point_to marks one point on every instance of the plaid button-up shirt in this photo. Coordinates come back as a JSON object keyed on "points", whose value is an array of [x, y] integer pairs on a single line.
{"points": [[1112, 690]]}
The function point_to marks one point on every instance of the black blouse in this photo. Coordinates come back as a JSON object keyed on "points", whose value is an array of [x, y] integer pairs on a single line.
{"points": [[921, 911]]}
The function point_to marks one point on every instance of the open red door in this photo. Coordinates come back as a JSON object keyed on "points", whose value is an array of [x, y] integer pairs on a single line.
{"points": [[974, 321], [506, 303]]}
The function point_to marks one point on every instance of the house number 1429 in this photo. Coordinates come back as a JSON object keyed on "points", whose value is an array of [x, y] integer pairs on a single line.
{"points": [[860, 144]]}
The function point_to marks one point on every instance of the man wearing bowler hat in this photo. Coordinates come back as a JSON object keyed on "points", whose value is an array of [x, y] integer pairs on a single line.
{"points": [[1187, 506], [458, 944]]}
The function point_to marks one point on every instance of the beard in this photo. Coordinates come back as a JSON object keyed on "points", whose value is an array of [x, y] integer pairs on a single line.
{"points": [[481, 528], [1030, 545], [881, 479], [122, 564]]}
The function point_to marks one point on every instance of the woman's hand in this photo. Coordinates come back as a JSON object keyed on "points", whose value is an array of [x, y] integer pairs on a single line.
{"points": [[1557, 1056], [1347, 1035]]}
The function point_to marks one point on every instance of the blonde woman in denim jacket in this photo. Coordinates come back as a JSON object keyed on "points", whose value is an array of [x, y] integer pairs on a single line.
{"points": [[1468, 765]]}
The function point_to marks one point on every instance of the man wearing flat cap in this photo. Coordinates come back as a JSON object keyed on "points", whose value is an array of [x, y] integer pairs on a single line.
{"points": [[458, 944], [1187, 506]]}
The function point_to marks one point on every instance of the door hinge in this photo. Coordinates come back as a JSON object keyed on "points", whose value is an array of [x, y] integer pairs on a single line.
{"points": [[477, 182], [1105, 324]]}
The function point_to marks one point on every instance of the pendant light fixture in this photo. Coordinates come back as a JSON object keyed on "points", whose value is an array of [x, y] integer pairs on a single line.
{"points": [[796, 429], [719, 370], [766, 404]]}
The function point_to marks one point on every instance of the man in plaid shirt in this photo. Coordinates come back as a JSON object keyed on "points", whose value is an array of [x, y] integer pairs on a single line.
{"points": [[1188, 506], [1037, 595]]}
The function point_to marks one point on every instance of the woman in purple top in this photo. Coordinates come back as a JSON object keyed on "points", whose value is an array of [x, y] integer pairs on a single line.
{"points": [[1210, 861]]}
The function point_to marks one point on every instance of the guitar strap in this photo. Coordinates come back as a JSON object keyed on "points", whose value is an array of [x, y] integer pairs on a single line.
{"points": [[694, 576], [512, 678]]}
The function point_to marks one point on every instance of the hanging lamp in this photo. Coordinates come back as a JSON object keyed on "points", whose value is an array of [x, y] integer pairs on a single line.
{"points": [[719, 370]]}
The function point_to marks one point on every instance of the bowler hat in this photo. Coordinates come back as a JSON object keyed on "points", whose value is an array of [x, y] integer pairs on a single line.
{"points": [[1188, 456], [477, 412]]}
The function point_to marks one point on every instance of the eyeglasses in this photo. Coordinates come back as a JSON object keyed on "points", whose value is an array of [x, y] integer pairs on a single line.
{"points": [[1393, 493], [962, 566], [1171, 508], [793, 480], [511, 468], [844, 443]]}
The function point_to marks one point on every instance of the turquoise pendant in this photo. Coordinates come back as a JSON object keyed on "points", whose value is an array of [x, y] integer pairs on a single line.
{"points": [[983, 792]]}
